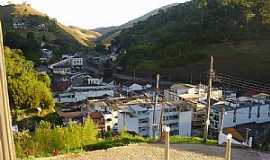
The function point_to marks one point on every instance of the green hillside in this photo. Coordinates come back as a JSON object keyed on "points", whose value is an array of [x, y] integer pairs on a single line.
{"points": [[26, 28], [177, 42], [109, 33]]}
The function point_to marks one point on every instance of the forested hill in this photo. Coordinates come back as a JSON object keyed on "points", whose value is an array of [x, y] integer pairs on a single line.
{"points": [[108, 33], [177, 42], [26, 28]]}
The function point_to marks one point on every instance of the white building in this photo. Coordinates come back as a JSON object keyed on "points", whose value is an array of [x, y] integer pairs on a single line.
{"points": [[241, 110], [72, 61], [75, 94], [139, 119], [76, 61], [94, 80], [62, 70], [182, 91]]}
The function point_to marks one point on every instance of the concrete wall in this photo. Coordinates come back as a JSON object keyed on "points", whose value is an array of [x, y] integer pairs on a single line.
{"points": [[185, 120], [242, 116]]}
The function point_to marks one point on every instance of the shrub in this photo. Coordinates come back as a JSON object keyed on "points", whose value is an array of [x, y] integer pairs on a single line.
{"points": [[51, 140]]}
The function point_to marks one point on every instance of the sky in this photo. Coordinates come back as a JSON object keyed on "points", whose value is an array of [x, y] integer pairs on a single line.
{"points": [[95, 13]]}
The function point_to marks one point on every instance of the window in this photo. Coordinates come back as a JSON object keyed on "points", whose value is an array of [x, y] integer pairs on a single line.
{"points": [[234, 115], [249, 112], [258, 112]]}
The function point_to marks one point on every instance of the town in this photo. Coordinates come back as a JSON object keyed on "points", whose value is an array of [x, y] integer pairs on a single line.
{"points": [[128, 80], [144, 108]]}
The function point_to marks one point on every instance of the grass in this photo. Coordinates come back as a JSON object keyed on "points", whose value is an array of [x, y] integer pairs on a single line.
{"points": [[190, 140]]}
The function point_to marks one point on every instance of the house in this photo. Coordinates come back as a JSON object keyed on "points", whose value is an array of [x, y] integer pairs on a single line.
{"points": [[79, 93], [109, 113], [70, 61], [72, 112], [61, 69], [242, 110], [194, 97], [46, 55], [190, 92], [76, 61], [138, 118], [98, 119], [18, 24]]}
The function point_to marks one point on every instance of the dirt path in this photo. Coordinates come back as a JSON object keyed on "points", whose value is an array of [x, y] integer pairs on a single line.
{"points": [[156, 152]]}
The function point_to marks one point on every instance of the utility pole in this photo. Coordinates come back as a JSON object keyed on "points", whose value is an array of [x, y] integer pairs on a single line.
{"points": [[161, 122], [7, 149], [156, 102], [207, 119]]}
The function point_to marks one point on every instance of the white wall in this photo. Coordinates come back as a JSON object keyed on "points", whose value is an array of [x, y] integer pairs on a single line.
{"points": [[242, 116], [185, 122]]}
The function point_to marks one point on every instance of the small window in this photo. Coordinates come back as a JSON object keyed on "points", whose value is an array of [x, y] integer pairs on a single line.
{"points": [[249, 112], [258, 112], [234, 115]]}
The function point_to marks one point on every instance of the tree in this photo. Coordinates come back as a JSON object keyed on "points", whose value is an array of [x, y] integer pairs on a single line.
{"points": [[89, 132], [27, 89]]}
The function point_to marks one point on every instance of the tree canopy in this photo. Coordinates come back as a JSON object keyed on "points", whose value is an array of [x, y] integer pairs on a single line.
{"points": [[176, 36], [28, 90]]}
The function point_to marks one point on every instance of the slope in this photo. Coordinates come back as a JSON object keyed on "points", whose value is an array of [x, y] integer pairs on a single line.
{"points": [[24, 26], [178, 42], [109, 33]]}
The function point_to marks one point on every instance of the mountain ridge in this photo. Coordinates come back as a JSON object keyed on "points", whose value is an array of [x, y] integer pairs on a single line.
{"points": [[177, 43], [21, 19]]}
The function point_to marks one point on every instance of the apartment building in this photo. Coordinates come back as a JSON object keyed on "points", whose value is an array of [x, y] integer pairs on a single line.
{"points": [[139, 118], [242, 110]]}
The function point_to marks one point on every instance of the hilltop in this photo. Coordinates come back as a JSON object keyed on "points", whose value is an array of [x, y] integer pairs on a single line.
{"points": [[24, 26], [109, 33], [178, 42]]}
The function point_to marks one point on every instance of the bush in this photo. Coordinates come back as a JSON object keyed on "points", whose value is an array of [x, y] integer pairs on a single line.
{"points": [[123, 140], [51, 140]]}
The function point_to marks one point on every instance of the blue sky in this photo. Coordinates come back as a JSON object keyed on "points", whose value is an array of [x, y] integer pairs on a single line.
{"points": [[95, 13]]}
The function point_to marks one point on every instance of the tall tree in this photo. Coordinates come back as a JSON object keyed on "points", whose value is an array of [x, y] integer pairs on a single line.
{"points": [[27, 89]]}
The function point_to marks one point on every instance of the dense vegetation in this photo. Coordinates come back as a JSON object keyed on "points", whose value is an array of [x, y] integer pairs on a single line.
{"points": [[52, 140], [28, 90], [34, 30], [235, 31]]}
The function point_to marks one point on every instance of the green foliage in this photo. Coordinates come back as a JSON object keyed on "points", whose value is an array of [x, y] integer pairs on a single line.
{"points": [[191, 140], [27, 89], [21, 140], [175, 37], [48, 139], [124, 139], [30, 37]]}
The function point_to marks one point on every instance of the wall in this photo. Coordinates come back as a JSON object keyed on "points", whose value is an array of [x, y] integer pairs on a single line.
{"points": [[185, 121]]}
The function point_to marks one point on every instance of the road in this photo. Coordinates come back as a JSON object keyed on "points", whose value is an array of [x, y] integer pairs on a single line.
{"points": [[156, 152]]}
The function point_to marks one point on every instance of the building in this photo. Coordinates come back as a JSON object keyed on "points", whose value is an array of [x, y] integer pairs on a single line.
{"points": [[79, 93], [242, 110], [46, 55], [194, 97], [109, 113], [98, 119], [138, 118], [183, 91], [76, 61], [71, 61], [61, 69], [72, 112]]}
